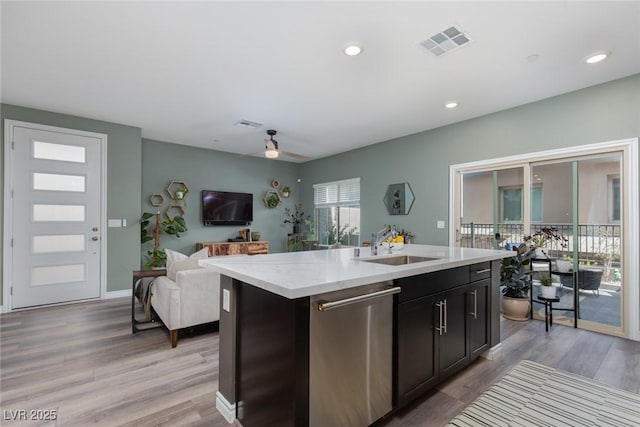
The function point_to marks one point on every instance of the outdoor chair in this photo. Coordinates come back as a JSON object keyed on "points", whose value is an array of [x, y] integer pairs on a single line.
{"points": [[589, 280]]}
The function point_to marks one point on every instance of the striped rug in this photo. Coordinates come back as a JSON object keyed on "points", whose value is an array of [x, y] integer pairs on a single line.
{"points": [[532, 394]]}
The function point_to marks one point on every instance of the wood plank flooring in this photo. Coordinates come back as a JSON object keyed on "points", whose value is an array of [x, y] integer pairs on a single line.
{"points": [[82, 361]]}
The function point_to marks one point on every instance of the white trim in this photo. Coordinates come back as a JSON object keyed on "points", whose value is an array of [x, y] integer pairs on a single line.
{"points": [[226, 409], [630, 214], [118, 294], [493, 353], [9, 126]]}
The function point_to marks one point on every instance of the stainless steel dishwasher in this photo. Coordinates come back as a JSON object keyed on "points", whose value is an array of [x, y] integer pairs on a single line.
{"points": [[350, 356]]}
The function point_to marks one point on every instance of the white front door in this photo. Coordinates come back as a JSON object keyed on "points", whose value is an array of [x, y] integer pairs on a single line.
{"points": [[55, 216]]}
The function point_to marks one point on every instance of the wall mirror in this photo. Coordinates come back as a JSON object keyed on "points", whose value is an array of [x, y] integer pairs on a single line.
{"points": [[399, 198]]}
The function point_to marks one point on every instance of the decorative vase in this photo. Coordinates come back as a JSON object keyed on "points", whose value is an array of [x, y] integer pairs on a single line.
{"points": [[297, 228], [547, 291], [516, 308], [255, 236], [540, 253]]}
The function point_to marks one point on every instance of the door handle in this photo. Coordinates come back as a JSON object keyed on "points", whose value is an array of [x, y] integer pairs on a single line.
{"points": [[439, 328], [486, 270], [94, 238], [475, 304], [324, 305], [445, 315]]}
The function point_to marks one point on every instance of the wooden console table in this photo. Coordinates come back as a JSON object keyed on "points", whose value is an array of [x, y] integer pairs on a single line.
{"points": [[235, 248]]}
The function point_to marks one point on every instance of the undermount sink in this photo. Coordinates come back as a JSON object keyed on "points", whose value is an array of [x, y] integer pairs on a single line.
{"points": [[400, 259]]}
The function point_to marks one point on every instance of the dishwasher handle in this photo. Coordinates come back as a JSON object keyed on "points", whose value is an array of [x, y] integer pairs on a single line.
{"points": [[330, 305]]}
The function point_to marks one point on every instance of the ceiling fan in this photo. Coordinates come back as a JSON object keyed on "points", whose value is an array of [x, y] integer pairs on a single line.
{"points": [[271, 150]]}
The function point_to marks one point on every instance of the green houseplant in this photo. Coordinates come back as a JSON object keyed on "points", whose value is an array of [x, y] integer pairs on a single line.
{"points": [[149, 231], [516, 282], [515, 276], [295, 217]]}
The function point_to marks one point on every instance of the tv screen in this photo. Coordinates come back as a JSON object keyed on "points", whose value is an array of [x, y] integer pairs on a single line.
{"points": [[226, 208]]}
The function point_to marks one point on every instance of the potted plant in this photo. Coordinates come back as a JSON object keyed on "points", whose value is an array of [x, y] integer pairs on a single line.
{"points": [[156, 258], [542, 237], [295, 217], [547, 290], [516, 282], [286, 191]]}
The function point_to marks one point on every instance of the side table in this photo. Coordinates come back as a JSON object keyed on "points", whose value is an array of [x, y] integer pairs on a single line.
{"points": [[138, 276], [548, 310]]}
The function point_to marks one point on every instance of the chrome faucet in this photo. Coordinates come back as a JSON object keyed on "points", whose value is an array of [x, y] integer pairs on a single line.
{"points": [[379, 237]]}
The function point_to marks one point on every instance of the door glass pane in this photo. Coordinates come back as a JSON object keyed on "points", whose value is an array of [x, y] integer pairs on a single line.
{"points": [[58, 212], [57, 182], [58, 243], [600, 240], [50, 275], [552, 207], [510, 207], [59, 152], [476, 208]]}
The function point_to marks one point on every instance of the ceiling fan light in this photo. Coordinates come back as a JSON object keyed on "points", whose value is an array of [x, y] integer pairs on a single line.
{"points": [[271, 153]]}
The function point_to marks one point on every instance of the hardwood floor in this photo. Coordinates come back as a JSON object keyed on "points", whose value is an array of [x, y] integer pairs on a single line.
{"points": [[82, 361]]}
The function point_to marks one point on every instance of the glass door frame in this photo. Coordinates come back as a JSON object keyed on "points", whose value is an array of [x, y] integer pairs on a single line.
{"points": [[629, 221]]}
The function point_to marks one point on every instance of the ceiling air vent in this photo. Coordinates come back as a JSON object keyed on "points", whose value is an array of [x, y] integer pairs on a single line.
{"points": [[446, 41], [248, 124]]}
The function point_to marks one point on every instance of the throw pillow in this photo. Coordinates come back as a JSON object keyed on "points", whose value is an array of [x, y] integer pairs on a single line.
{"points": [[177, 261]]}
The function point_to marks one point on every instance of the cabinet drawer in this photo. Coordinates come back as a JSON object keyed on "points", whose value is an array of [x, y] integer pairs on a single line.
{"points": [[479, 271], [427, 284]]}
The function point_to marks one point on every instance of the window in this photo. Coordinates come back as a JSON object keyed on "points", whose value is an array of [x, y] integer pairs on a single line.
{"points": [[337, 212], [614, 198], [511, 204]]}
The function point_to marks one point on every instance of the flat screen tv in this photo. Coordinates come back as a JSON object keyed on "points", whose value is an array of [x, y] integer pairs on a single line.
{"points": [[226, 208]]}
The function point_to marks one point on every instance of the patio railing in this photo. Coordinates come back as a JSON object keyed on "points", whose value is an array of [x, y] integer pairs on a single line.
{"points": [[598, 243]]}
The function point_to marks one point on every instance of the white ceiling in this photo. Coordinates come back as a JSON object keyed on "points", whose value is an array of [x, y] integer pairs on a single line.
{"points": [[185, 72]]}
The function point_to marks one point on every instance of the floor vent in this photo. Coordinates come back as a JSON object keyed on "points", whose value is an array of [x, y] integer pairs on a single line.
{"points": [[445, 41], [248, 124]]}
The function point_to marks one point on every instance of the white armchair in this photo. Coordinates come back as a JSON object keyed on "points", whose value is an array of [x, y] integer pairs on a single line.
{"points": [[192, 299]]}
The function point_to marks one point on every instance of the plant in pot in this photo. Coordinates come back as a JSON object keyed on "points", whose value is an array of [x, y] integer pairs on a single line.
{"points": [[516, 281], [547, 290], [295, 217], [542, 237], [156, 258]]}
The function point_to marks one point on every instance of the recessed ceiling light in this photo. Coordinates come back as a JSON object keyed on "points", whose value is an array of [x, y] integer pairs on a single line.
{"points": [[352, 50], [451, 104], [594, 58]]}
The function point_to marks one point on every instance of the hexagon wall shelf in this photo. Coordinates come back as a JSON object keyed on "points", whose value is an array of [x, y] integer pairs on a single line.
{"points": [[156, 199], [174, 211], [177, 190], [272, 199]]}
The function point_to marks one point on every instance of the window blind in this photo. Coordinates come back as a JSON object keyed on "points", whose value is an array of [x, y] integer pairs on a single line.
{"points": [[337, 193]]}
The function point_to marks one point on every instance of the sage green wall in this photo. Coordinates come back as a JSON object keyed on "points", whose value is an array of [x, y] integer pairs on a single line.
{"points": [[203, 169], [123, 185], [606, 112]]}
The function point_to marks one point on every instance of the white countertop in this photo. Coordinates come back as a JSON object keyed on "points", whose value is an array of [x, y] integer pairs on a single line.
{"points": [[302, 274]]}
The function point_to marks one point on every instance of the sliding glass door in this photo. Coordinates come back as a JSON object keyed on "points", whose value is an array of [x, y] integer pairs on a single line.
{"points": [[581, 197]]}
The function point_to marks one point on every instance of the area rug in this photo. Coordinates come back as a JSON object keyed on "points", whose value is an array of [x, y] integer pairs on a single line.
{"points": [[531, 394]]}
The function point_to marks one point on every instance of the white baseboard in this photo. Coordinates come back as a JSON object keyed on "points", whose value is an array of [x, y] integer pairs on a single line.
{"points": [[1, 309], [493, 353], [226, 409], [118, 294]]}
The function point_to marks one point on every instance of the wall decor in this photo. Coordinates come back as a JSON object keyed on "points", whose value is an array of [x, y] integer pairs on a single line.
{"points": [[174, 211], [399, 198], [177, 190], [285, 192], [272, 199], [156, 199], [275, 183]]}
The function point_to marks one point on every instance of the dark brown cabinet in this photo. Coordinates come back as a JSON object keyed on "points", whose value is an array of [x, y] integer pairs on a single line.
{"points": [[442, 324]]}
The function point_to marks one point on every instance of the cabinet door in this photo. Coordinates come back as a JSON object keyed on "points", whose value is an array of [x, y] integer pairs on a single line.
{"points": [[453, 346], [416, 364], [479, 305]]}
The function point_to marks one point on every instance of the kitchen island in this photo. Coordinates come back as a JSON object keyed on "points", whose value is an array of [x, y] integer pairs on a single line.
{"points": [[315, 338]]}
